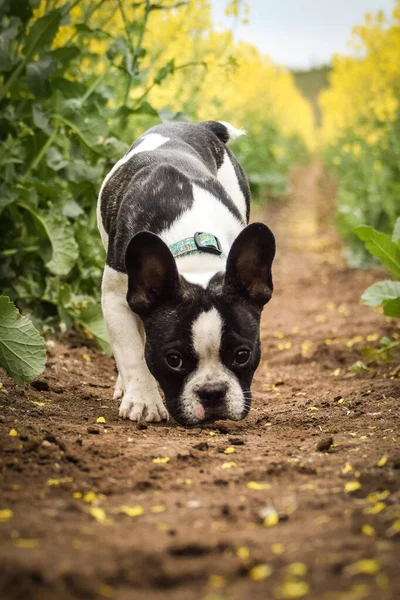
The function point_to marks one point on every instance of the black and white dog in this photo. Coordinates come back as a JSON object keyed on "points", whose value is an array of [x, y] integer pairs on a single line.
{"points": [[185, 279]]}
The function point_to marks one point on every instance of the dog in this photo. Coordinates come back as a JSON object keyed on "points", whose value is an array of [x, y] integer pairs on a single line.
{"points": [[186, 277]]}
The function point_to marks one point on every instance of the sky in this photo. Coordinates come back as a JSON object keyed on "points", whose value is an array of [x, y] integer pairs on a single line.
{"points": [[300, 33]]}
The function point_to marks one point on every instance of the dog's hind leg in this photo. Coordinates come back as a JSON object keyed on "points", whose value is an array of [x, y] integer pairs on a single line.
{"points": [[137, 388]]}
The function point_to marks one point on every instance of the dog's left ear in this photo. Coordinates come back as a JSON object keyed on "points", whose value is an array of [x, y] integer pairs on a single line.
{"points": [[153, 278], [248, 269]]}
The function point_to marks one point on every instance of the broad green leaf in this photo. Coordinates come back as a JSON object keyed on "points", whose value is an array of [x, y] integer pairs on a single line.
{"points": [[380, 245], [42, 32], [381, 291], [41, 119], [59, 231], [396, 232], [391, 308], [37, 76], [22, 348]]}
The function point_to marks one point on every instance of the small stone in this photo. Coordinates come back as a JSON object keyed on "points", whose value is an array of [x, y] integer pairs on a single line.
{"points": [[94, 429], [236, 441], [141, 425], [324, 444]]}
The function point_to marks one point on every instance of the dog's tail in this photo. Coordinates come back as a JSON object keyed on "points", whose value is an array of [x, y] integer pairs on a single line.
{"points": [[223, 130]]}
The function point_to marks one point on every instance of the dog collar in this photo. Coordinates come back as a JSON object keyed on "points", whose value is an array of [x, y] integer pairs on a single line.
{"points": [[200, 242]]}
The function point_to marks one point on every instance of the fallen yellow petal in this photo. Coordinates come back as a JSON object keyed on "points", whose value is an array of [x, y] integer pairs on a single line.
{"points": [[347, 469], [368, 530], [260, 572], [365, 566], [25, 543], [100, 420], [5, 515], [55, 482], [228, 465], [271, 520], [229, 450], [352, 486], [277, 549], [86, 357], [298, 569], [98, 514], [161, 460], [132, 511], [13, 432], [382, 461], [159, 508], [254, 485], [243, 552], [374, 510], [294, 589], [90, 497]]}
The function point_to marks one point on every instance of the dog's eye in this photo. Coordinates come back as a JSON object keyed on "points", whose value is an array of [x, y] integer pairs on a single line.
{"points": [[174, 360], [241, 357]]}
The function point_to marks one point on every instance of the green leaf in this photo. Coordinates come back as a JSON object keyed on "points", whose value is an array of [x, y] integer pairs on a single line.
{"points": [[391, 308], [37, 76], [396, 232], [42, 32], [64, 247], [89, 315], [41, 119], [380, 245], [22, 348], [163, 73], [377, 293]]}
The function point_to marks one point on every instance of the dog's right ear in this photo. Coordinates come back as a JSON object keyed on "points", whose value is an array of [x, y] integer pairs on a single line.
{"points": [[153, 278]]}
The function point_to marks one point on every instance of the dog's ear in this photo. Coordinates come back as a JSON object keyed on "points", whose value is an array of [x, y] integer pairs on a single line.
{"points": [[248, 270], [153, 278]]}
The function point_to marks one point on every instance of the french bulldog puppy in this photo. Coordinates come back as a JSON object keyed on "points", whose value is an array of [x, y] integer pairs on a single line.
{"points": [[186, 277]]}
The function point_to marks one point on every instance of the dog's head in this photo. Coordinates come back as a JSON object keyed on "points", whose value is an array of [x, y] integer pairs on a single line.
{"points": [[202, 345]]}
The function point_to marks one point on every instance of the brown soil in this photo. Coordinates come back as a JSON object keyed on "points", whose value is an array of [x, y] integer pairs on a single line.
{"points": [[315, 428]]}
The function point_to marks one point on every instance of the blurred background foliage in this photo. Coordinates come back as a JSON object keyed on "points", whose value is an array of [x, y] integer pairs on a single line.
{"points": [[80, 80], [361, 130]]}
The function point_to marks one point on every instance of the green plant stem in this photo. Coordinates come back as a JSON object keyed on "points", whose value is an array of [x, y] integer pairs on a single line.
{"points": [[95, 84], [34, 164]]}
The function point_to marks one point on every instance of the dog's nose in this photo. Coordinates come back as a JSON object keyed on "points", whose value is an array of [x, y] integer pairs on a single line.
{"points": [[212, 392]]}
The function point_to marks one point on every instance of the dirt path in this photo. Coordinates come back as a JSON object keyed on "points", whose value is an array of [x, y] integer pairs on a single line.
{"points": [[248, 510]]}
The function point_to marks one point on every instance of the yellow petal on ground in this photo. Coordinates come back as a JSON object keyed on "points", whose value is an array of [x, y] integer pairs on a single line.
{"points": [[365, 566], [55, 482], [158, 508], [255, 485], [25, 543], [13, 433], [38, 403], [341, 401], [337, 372], [293, 589], [347, 469], [229, 450], [98, 514], [298, 569], [272, 519], [260, 572], [395, 528], [374, 510], [352, 486], [100, 420], [90, 497], [373, 337], [374, 497], [86, 357], [382, 461], [162, 526], [77, 494], [277, 549], [216, 581], [243, 552], [132, 511], [368, 530], [161, 460], [312, 408], [268, 424], [279, 334], [5, 515], [228, 465]]}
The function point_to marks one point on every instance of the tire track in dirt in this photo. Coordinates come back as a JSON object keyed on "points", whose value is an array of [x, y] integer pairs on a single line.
{"points": [[270, 519]]}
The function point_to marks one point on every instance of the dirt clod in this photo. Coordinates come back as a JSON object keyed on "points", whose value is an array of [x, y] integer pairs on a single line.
{"points": [[94, 429], [324, 444]]}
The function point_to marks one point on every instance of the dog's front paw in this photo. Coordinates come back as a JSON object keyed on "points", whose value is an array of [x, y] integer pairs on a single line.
{"points": [[142, 407]]}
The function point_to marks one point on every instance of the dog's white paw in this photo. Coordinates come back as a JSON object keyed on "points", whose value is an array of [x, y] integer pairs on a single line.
{"points": [[118, 390], [138, 408]]}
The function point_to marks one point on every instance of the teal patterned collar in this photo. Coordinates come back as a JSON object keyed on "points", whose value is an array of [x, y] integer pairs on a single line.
{"points": [[200, 242]]}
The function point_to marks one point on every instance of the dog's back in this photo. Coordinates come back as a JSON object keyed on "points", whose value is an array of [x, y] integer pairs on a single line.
{"points": [[160, 177]]}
